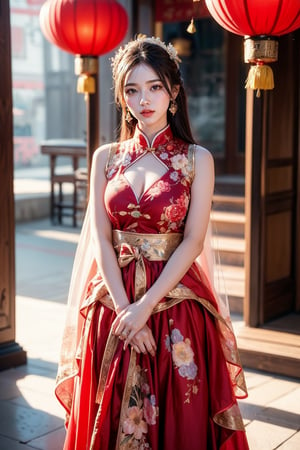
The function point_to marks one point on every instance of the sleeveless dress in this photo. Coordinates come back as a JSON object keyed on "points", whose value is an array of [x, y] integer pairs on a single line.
{"points": [[184, 398]]}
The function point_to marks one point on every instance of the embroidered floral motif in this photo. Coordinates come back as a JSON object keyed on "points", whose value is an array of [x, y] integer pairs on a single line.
{"points": [[174, 176], [183, 359], [117, 160], [150, 410], [179, 162], [134, 425], [175, 213], [141, 413], [159, 187], [164, 156]]}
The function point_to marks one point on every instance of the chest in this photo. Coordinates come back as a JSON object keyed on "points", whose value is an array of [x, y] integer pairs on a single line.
{"points": [[149, 192], [144, 172]]}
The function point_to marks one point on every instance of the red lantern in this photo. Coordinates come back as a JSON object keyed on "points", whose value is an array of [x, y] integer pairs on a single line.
{"points": [[261, 22], [85, 27], [88, 28]]}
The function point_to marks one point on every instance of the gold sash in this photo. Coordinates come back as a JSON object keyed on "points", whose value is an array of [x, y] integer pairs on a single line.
{"points": [[137, 246]]}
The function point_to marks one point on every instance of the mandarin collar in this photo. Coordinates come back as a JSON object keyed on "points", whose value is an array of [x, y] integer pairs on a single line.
{"points": [[162, 137]]}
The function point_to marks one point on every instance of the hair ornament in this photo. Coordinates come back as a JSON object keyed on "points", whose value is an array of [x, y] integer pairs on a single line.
{"points": [[170, 49]]}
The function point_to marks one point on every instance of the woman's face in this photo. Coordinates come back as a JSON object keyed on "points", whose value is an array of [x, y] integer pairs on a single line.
{"points": [[146, 98]]}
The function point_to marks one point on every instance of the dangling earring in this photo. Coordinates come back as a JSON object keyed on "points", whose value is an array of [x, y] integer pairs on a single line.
{"points": [[173, 107], [128, 116]]}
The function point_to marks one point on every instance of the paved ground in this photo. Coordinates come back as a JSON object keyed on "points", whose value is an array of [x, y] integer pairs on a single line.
{"points": [[30, 416]]}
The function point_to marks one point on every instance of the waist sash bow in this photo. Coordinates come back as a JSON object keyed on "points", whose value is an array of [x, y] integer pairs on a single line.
{"points": [[131, 246]]}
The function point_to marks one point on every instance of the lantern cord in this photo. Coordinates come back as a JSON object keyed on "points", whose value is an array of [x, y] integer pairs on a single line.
{"points": [[260, 77]]}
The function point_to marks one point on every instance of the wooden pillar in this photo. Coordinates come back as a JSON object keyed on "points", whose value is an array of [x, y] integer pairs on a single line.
{"points": [[92, 121], [253, 207], [11, 354], [142, 17]]}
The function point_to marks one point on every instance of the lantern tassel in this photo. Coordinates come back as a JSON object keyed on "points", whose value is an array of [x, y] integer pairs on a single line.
{"points": [[260, 77], [191, 28], [86, 84]]}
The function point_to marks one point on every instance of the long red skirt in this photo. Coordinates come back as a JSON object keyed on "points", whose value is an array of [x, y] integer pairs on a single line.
{"points": [[166, 402]]}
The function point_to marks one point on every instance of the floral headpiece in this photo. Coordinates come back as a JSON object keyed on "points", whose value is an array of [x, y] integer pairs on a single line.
{"points": [[170, 49]]}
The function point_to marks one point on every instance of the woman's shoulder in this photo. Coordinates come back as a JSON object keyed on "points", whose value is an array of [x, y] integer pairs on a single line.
{"points": [[203, 161], [103, 151], [201, 152], [114, 147], [103, 156], [202, 155]]}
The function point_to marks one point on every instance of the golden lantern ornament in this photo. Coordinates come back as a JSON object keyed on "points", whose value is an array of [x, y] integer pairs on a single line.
{"points": [[260, 51], [85, 68], [261, 22]]}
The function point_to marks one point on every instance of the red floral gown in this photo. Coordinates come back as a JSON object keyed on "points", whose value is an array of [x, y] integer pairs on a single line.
{"points": [[184, 398]]}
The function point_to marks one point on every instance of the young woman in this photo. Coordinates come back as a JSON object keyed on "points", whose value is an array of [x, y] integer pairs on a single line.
{"points": [[149, 359]]}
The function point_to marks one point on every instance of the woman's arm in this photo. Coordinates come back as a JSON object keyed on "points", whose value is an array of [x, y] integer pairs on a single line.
{"points": [[133, 318], [104, 252], [102, 233]]}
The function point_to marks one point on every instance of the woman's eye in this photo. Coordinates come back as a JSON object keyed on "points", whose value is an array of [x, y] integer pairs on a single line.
{"points": [[156, 87], [130, 91]]}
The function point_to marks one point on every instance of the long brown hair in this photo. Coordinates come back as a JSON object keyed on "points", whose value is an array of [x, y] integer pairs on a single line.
{"points": [[157, 57]]}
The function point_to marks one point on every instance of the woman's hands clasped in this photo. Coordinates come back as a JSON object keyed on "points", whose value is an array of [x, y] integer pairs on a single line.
{"points": [[130, 326]]}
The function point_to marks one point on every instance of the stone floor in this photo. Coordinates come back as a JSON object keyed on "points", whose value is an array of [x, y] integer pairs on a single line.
{"points": [[30, 416]]}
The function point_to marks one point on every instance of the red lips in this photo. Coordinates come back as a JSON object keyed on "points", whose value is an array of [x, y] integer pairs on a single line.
{"points": [[147, 112]]}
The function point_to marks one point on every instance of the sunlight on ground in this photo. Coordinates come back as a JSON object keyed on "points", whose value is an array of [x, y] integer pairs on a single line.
{"points": [[66, 236]]}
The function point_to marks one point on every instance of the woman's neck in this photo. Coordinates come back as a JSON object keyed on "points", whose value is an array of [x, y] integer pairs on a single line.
{"points": [[151, 135]]}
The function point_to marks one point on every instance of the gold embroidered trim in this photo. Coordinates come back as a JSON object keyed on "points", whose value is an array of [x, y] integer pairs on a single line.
{"points": [[127, 392], [110, 349], [175, 296], [230, 418], [191, 159], [182, 291], [111, 154]]}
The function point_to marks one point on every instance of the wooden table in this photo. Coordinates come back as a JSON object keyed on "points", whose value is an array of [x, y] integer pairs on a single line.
{"points": [[75, 149]]}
